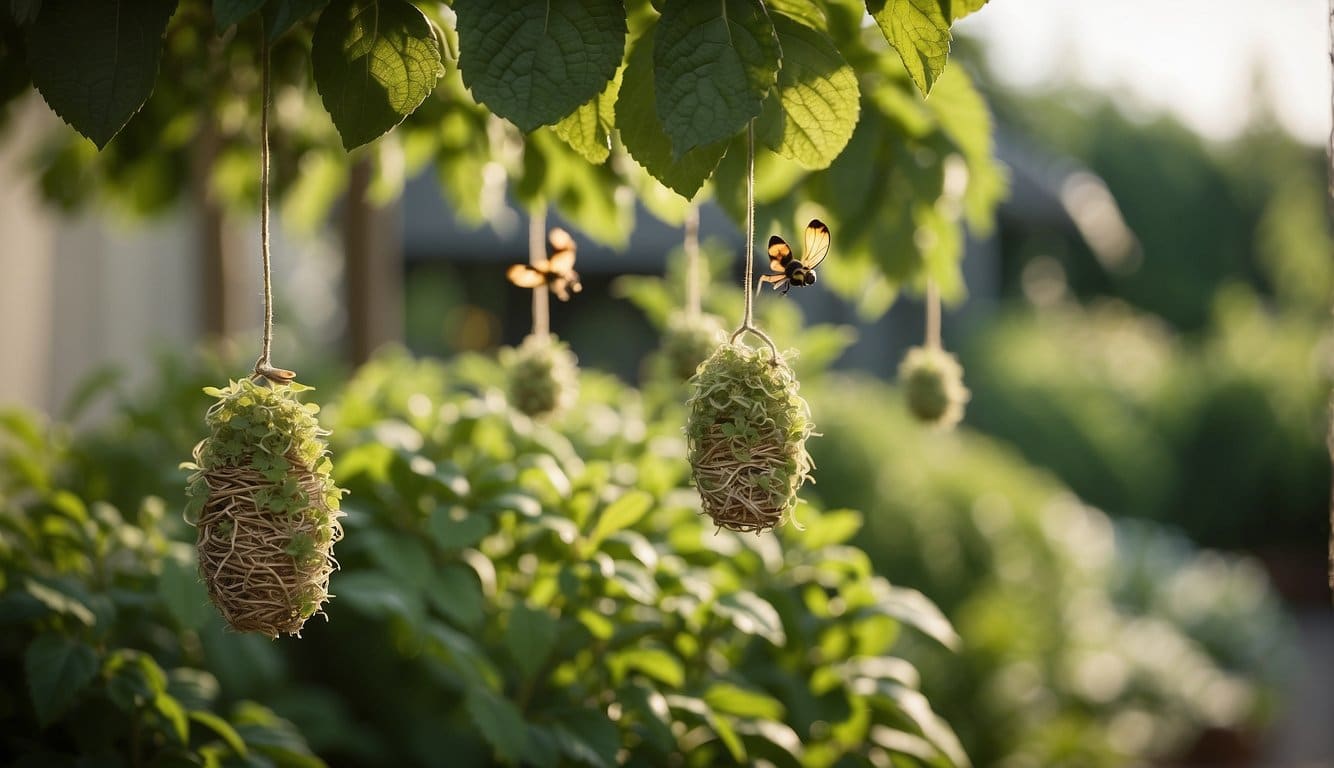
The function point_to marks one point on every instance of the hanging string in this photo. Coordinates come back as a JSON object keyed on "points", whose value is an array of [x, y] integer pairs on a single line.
{"points": [[692, 262], [264, 366], [932, 315], [748, 320], [537, 254]]}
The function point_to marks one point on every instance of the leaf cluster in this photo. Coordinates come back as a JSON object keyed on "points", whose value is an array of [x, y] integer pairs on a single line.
{"points": [[99, 651], [565, 102]]}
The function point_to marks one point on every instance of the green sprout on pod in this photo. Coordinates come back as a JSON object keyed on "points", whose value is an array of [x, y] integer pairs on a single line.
{"points": [[746, 436], [542, 375], [932, 381], [265, 507]]}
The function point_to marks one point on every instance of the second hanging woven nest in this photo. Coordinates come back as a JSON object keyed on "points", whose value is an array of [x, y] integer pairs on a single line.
{"points": [[265, 508], [746, 437]]}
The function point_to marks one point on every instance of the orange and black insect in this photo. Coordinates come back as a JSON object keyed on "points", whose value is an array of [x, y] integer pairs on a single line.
{"points": [[788, 270], [556, 272]]}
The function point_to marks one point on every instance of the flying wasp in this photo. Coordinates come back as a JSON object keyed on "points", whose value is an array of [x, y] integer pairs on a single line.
{"points": [[788, 271], [556, 272]]}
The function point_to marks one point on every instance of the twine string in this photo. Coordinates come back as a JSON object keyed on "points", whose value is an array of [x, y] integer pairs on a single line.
{"points": [[748, 319], [264, 369], [537, 253], [932, 315], [691, 247]]}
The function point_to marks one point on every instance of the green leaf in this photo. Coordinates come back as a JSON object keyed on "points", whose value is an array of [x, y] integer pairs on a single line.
{"points": [[735, 700], [375, 61], [229, 12], [622, 513], [280, 15], [957, 9], [456, 593], [94, 61], [916, 610], [133, 679], [529, 637], [376, 595], [171, 710], [221, 727], [644, 137], [589, 737], [752, 615], [920, 32], [656, 663], [830, 528], [456, 527], [713, 64], [533, 63], [813, 111], [588, 129], [58, 669], [915, 705], [182, 593], [500, 722]]}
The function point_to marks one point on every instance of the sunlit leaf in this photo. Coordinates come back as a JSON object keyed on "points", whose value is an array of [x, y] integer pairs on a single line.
{"points": [[713, 65], [811, 114], [374, 62], [533, 63], [920, 32]]}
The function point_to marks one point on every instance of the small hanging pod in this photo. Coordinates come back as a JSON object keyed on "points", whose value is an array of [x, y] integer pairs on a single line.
{"points": [[932, 382], [746, 438], [265, 507], [542, 375]]}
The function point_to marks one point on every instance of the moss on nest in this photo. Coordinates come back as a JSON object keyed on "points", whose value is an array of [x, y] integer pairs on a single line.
{"points": [[746, 435], [932, 381], [543, 375], [265, 507]]}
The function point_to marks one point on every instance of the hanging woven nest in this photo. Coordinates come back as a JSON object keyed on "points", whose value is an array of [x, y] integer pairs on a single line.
{"points": [[688, 341], [932, 382], [746, 437], [542, 375], [265, 508]]}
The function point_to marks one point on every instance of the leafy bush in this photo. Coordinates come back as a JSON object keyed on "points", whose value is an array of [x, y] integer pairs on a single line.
{"points": [[1079, 646], [1202, 434], [510, 590], [97, 655]]}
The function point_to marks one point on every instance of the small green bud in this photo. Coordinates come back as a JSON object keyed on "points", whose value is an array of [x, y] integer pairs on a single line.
{"points": [[543, 376]]}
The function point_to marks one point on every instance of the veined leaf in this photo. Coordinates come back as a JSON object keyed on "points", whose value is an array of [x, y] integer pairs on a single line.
{"points": [[957, 9], [229, 12], [920, 31], [713, 64], [375, 61], [529, 637], [644, 136], [588, 129], [533, 63], [280, 15], [95, 61], [499, 721], [58, 669], [811, 114]]}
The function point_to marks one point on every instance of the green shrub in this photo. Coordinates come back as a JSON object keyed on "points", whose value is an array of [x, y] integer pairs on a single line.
{"points": [[1070, 654]]}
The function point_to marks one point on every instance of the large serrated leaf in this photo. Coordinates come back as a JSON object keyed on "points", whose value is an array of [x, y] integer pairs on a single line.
{"points": [[499, 721], [95, 61], [375, 61], [588, 129], [713, 64], [533, 63], [280, 15], [644, 137], [58, 669], [529, 637], [813, 110], [920, 31], [229, 12]]}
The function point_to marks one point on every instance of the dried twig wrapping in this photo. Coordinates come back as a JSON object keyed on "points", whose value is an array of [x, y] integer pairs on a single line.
{"points": [[265, 507], [747, 435]]}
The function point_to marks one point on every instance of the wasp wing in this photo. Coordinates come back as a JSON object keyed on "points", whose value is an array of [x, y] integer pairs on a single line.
{"points": [[560, 240], [780, 253], [561, 262], [817, 244], [525, 276]]}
